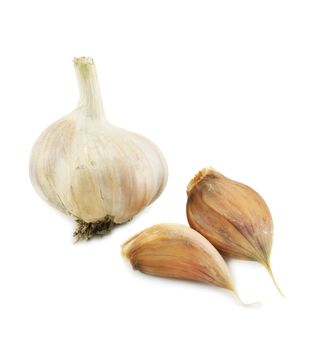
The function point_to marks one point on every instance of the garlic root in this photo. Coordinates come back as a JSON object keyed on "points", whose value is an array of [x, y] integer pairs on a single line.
{"points": [[86, 230]]}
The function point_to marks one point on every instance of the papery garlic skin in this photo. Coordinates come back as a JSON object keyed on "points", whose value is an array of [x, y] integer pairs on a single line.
{"points": [[92, 170], [177, 251], [231, 215]]}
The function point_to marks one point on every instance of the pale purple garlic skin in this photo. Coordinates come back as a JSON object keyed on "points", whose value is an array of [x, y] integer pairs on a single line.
{"points": [[85, 167]]}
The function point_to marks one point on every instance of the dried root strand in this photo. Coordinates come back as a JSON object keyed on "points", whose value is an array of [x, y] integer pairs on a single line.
{"points": [[86, 230]]}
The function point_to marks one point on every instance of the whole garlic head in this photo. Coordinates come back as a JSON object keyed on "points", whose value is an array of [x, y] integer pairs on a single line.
{"points": [[98, 173]]}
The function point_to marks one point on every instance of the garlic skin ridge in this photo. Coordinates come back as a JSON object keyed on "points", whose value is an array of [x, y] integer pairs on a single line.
{"points": [[96, 172]]}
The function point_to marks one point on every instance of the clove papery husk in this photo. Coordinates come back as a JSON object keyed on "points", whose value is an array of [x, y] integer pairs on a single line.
{"points": [[232, 216], [177, 251]]}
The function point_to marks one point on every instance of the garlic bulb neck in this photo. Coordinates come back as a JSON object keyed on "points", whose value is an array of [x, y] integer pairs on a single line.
{"points": [[90, 93]]}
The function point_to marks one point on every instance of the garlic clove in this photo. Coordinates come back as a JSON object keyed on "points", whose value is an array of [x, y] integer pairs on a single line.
{"points": [[232, 216], [99, 174], [177, 251]]}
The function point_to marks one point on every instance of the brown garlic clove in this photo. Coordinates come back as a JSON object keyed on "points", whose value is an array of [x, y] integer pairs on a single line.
{"points": [[232, 216], [177, 251]]}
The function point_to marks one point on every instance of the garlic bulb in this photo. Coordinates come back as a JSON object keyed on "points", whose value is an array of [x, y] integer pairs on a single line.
{"points": [[232, 216], [177, 251], [99, 174]]}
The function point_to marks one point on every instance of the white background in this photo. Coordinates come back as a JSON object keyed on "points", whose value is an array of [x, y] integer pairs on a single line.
{"points": [[220, 83]]}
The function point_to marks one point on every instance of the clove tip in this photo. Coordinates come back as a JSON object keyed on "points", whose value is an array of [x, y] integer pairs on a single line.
{"points": [[269, 269]]}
